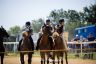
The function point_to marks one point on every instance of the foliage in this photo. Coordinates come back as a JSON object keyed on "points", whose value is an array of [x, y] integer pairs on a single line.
{"points": [[90, 13], [14, 30], [74, 19], [36, 25]]}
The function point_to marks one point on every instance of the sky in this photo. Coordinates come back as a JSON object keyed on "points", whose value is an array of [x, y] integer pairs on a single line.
{"points": [[17, 12]]}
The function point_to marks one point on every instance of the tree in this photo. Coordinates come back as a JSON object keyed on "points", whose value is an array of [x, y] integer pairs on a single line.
{"points": [[36, 24], [73, 16], [14, 30], [90, 13]]}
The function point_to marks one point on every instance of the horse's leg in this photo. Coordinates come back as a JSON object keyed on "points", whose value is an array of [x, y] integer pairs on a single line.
{"points": [[48, 56], [41, 61], [66, 57], [42, 57], [44, 60], [47, 60], [58, 58], [62, 58], [53, 57], [22, 58], [2, 58], [29, 58]]}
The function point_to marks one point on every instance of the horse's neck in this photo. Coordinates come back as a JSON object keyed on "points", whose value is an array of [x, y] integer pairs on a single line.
{"points": [[1, 41], [25, 40], [44, 38], [45, 34]]}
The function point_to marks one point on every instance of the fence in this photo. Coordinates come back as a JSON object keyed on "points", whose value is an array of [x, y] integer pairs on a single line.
{"points": [[15, 44]]}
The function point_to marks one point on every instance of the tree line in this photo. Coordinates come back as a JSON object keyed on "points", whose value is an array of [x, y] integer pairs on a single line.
{"points": [[73, 19]]}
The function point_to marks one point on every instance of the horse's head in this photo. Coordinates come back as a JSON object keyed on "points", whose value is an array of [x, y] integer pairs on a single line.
{"points": [[3, 32], [47, 30], [55, 35], [25, 34]]}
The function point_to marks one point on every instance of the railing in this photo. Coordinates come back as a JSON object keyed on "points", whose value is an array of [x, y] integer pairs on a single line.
{"points": [[15, 44], [81, 46]]}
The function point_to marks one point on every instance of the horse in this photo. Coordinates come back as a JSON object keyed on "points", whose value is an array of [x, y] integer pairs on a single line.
{"points": [[26, 47], [45, 44], [60, 48], [3, 34]]}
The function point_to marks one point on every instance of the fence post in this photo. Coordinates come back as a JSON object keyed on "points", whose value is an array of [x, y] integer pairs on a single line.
{"points": [[14, 47], [81, 48]]}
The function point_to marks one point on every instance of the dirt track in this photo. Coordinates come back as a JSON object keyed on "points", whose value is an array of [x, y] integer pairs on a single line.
{"points": [[36, 60]]}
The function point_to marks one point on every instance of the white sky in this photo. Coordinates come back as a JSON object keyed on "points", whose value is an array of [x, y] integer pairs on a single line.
{"points": [[17, 12]]}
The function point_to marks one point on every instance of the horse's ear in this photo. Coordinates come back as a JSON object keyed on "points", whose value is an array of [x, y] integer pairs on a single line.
{"points": [[1, 26]]}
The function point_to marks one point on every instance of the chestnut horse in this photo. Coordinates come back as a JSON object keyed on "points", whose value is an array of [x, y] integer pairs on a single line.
{"points": [[45, 44], [3, 34], [60, 47], [26, 47]]}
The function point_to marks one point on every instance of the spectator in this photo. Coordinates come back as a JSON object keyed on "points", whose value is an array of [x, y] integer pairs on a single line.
{"points": [[76, 38], [76, 46], [82, 39], [92, 45], [91, 38]]}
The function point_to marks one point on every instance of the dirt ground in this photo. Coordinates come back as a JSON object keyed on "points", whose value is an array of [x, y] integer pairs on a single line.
{"points": [[36, 60]]}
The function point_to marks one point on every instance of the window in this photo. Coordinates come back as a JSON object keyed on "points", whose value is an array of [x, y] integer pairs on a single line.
{"points": [[78, 31], [84, 30]]}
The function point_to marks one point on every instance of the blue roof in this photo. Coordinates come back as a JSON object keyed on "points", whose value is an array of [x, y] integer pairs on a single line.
{"points": [[85, 27]]}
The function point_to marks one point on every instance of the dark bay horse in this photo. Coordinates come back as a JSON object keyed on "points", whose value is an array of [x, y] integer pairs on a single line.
{"points": [[3, 34], [45, 44], [26, 47], [60, 47]]}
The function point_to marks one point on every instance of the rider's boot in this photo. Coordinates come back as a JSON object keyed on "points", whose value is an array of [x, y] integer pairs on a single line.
{"points": [[32, 43], [19, 44], [38, 41]]}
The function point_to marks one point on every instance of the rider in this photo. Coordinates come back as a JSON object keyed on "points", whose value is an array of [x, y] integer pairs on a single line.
{"points": [[30, 30], [60, 26], [48, 23], [60, 30]]}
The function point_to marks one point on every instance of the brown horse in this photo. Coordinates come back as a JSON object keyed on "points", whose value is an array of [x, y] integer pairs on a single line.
{"points": [[45, 44], [26, 48], [3, 34], [60, 47]]}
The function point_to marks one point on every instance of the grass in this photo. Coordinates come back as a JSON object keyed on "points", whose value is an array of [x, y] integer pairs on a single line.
{"points": [[37, 54]]}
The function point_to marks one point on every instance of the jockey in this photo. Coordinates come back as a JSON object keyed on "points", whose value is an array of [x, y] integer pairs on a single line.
{"points": [[30, 30], [48, 23], [59, 28]]}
